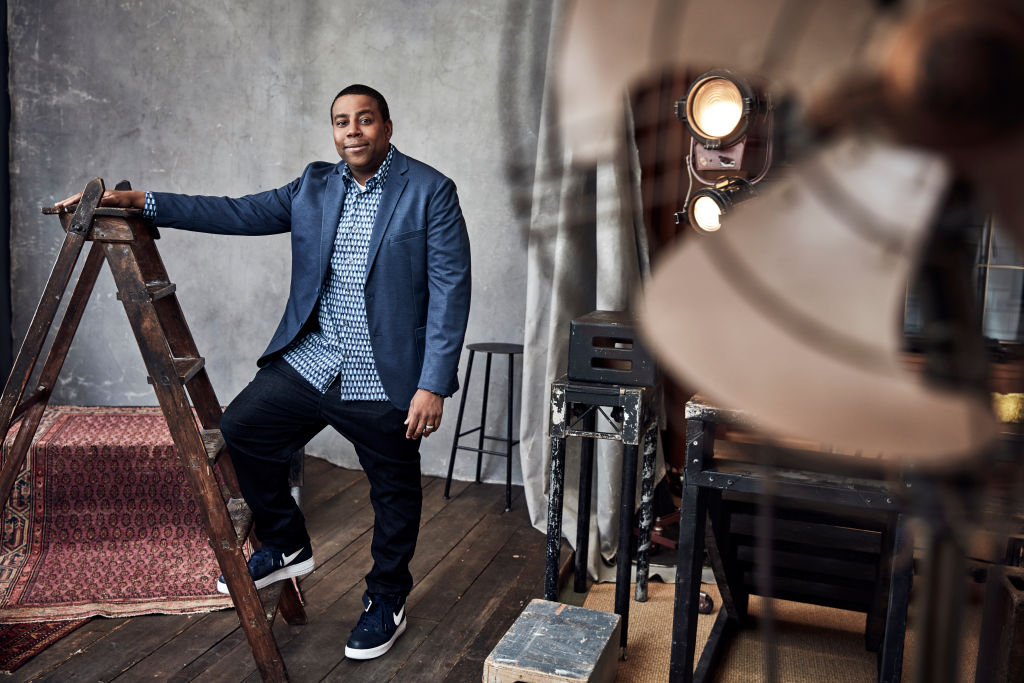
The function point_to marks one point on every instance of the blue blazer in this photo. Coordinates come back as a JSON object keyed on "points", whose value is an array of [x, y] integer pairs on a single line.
{"points": [[417, 269]]}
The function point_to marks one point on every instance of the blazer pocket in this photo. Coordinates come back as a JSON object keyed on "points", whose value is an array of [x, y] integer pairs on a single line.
{"points": [[406, 236]]}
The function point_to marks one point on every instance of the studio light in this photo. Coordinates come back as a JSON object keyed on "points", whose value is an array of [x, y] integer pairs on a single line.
{"points": [[719, 108], [731, 126], [707, 205]]}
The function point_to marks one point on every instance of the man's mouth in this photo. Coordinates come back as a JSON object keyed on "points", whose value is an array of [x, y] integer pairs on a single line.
{"points": [[353, 147]]}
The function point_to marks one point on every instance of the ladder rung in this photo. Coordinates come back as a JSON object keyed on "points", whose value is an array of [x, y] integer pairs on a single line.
{"points": [[188, 367], [213, 440], [29, 401], [158, 290], [155, 291], [185, 368], [241, 518]]}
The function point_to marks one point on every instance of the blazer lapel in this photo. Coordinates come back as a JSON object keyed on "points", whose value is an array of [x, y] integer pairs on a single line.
{"points": [[334, 197], [392, 192]]}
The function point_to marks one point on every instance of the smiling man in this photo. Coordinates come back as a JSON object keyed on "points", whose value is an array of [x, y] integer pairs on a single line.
{"points": [[369, 342]]}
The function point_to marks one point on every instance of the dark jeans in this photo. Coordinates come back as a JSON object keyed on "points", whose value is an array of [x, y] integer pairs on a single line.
{"points": [[276, 415]]}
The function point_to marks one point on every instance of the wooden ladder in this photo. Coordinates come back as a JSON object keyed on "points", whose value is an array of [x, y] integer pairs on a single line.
{"points": [[125, 240]]}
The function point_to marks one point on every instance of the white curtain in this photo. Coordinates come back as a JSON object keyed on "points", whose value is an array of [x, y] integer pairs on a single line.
{"points": [[586, 252]]}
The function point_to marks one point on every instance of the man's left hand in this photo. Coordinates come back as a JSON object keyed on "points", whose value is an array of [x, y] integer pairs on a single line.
{"points": [[424, 414]]}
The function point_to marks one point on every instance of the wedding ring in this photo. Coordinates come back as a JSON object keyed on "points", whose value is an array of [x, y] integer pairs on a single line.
{"points": [[430, 426]]}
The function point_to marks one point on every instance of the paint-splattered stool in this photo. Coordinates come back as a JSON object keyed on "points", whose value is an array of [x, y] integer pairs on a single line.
{"points": [[633, 420]]}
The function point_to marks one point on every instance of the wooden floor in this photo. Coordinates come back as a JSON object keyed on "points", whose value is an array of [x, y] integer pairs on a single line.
{"points": [[476, 567]]}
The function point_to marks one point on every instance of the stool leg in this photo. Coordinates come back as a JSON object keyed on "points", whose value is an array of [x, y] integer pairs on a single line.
{"points": [[625, 562], [458, 426], [643, 544], [901, 579], [554, 542], [483, 416], [589, 424], [508, 439]]}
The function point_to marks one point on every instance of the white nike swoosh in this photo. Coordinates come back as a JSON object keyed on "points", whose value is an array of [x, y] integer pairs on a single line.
{"points": [[398, 617], [289, 558]]}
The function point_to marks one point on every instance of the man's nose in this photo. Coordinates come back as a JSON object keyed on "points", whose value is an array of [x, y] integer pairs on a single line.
{"points": [[354, 130]]}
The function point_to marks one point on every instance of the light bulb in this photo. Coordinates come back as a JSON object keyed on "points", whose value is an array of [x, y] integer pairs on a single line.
{"points": [[717, 107], [707, 214]]}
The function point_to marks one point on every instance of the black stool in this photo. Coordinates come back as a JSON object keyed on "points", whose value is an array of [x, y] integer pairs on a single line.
{"points": [[490, 349]]}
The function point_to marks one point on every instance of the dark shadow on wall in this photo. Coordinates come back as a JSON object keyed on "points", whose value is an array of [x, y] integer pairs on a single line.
{"points": [[5, 207]]}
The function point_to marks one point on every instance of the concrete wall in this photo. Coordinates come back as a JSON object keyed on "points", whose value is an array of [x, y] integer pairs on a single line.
{"points": [[233, 97]]}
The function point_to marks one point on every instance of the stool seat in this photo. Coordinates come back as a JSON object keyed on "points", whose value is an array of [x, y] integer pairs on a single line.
{"points": [[500, 348], [489, 349]]}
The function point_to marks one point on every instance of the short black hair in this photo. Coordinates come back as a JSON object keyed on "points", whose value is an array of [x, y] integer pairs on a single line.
{"points": [[360, 89]]}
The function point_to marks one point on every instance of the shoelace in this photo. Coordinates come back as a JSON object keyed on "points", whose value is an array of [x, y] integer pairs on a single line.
{"points": [[262, 559], [374, 617]]}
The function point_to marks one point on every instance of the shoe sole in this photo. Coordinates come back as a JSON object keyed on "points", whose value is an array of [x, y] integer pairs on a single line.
{"points": [[373, 652], [291, 571]]}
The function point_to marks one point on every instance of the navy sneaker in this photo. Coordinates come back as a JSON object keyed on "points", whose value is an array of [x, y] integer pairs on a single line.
{"points": [[268, 566], [382, 621]]}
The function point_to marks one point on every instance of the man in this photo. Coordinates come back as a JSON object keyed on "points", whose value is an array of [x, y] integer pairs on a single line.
{"points": [[369, 342]]}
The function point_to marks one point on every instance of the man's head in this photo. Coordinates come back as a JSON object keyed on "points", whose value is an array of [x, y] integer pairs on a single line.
{"points": [[362, 129], [360, 89]]}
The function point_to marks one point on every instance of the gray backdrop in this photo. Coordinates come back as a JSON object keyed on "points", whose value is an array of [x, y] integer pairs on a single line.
{"points": [[233, 97]]}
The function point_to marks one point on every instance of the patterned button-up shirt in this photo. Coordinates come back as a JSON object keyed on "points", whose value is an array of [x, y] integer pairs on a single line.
{"points": [[342, 344], [341, 347]]}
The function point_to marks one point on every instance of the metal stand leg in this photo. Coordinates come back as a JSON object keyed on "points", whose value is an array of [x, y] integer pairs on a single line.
{"points": [[458, 427], [692, 517], [483, 417], [583, 515], [508, 439], [625, 560], [643, 544], [900, 579], [554, 518]]}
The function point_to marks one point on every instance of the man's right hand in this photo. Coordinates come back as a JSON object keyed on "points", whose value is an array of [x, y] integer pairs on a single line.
{"points": [[125, 199]]}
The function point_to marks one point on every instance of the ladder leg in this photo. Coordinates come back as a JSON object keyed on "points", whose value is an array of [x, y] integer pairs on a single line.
{"points": [[182, 344], [34, 406], [173, 400], [204, 400], [49, 302]]}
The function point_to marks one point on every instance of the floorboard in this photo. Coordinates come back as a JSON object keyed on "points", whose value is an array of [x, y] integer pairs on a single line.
{"points": [[475, 568]]}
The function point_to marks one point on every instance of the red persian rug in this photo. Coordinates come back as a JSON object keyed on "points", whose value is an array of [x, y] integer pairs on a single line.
{"points": [[20, 642], [102, 521]]}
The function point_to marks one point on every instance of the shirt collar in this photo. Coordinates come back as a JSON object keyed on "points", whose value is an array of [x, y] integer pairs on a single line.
{"points": [[377, 178]]}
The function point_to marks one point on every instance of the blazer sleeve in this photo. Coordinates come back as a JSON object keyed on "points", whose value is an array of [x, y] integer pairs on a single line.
{"points": [[449, 283], [263, 213]]}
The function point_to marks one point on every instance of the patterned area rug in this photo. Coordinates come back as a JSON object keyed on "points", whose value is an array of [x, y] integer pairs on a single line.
{"points": [[20, 642], [102, 521]]}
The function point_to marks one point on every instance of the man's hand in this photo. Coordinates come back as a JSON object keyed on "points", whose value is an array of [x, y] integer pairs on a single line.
{"points": [[125, 199], [424, 414]]}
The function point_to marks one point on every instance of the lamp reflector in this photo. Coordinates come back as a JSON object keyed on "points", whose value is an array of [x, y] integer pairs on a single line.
{"points": [[707, 213], [707, 206], [716, 107]]}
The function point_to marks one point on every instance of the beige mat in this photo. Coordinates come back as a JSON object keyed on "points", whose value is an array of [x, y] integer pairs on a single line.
{"points": [[813, 644]]}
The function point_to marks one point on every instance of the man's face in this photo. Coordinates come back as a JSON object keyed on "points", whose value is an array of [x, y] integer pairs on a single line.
{"points": [[361, 137]]}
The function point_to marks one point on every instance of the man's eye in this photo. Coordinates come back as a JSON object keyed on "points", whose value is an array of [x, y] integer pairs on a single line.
{"points": [[366, 122]]}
